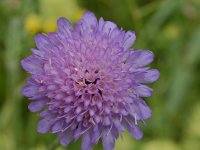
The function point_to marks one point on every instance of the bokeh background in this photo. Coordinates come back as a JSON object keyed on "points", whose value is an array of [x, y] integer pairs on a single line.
{"points": [[169, 28]]}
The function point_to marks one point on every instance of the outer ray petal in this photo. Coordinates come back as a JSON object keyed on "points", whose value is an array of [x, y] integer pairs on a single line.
{"points": [[129, 40], [33, 65], [108, 141]]}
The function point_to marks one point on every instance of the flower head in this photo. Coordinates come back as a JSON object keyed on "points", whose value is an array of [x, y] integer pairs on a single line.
{"points": [[86, 82]]}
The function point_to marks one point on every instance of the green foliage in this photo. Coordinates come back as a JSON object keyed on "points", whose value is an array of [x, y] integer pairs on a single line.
{"points": [[170, 28]]}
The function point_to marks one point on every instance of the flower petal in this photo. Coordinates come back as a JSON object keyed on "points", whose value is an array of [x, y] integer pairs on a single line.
{"points": [[109, 27], [33, 65], [44, 125], [53, 37], [42, 42], [129, 40], [108, 141], [143, 91], [101, 24], [64, 28], [148, 76], [140, 110], [86, 145], [33, 91], [89, 21], [36, 105], [57, 127], [66, 137], [118, 124], [141, 58], [134, 130], [38, 52], [115, 132], [95, 134]]}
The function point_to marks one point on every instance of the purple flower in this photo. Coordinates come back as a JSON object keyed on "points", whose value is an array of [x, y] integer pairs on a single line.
{"points": [[87, 82]]}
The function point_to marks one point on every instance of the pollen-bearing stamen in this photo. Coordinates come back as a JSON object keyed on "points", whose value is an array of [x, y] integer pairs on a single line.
{"points": [[87, 83]]}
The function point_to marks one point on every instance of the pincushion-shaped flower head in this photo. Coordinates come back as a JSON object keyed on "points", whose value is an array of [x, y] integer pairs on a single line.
{"points": [[86, 82]]}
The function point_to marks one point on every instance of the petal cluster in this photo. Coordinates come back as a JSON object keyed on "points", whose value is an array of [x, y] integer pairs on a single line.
{"points": [[86, 82]]}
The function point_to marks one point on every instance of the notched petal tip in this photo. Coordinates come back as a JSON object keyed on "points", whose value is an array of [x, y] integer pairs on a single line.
{"points": [[109, 27], [129, 39]]}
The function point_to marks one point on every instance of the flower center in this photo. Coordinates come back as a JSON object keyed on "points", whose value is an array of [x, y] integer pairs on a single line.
{"points": [[89, 83]]}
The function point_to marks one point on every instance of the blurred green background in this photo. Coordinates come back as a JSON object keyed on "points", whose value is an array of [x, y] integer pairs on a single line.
{"points": [[169, 28]]}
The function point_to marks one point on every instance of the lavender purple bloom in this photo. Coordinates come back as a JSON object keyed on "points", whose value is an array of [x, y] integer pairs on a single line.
{"points": [[87, 82]]}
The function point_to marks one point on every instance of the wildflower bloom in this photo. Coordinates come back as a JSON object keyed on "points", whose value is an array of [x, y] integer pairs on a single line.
{"points": [[86, 82]]}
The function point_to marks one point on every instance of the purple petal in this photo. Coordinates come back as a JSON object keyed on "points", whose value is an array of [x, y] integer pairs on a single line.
{"points": [[86, 145], [33, 65], [117, 35], [29, 90], [66, 137], [36, 105], [115, 132], [134, 130], [64, 27], [43, 43], [101, 24], [129, 40], [109, 27], [57, 126], [89, 21], [118, 124], [106, 121], [143, 91], [44, 125], [78, 132], [108, 141], [148, 76], [33, 91], [38, 52], [53, 37], [44, 113], [125, 56], [95, 135], [138, 71], [141, 58], [140, 110], [146, 112]]}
